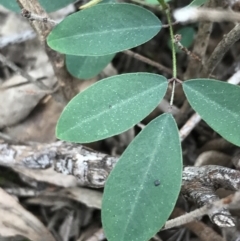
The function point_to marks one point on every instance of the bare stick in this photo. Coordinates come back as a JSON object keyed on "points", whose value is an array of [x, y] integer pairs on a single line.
{"points": [[168, 25], [189, 126], [203, 14], [177, 41], [15, 68], [31, 16], [66, 81], [227, 202], [204, 232], [228, 40], [148, 61], [200, 44], [199, 49]]}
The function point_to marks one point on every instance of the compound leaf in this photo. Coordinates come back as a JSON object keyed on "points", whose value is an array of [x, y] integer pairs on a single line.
{"points": [[49, 5], [110, 106], [104, 29], [217, 103], [85, 67], [141, 191]]}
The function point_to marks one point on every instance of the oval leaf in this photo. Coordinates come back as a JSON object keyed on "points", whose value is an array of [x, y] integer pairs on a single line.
{"points": [[218, 104], [104, 29], [141, 191], [110, 106], [85, 67], [50, 6]]}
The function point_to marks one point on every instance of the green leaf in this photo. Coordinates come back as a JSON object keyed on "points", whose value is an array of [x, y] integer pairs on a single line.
{"points": [[85, 67], [104, 29], [196, 3], [187, 34], [141, 191], [11, 5], [110, 106], [49, 5], [218, 104], [107, 1], [155, 2]]}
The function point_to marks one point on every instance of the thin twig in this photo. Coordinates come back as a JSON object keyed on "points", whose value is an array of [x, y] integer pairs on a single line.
{"points": [[18, 70], [164, 106], [204, 14], [67, 88], [228, 40], [189, 126], [193, 69], [177, 39], [200, 44], [168, 25], [204, 232], [148, 61], [227, 202], [32, 17]]}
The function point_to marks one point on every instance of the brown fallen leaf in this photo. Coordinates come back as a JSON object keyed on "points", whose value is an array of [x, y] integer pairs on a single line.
{"points": [[40, 124], [15, 220]]}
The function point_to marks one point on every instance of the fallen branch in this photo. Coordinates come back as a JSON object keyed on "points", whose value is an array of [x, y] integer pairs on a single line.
{"points": [[92, 168], [231, 201], [204, 232]]}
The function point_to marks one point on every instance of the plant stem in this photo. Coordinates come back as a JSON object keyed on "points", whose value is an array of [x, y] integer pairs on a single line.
{"points": [[167, 11], [172, 94], [174, 61]]}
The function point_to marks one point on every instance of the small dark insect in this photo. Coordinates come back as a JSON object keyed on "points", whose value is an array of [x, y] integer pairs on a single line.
{"points": [[157, 183]]}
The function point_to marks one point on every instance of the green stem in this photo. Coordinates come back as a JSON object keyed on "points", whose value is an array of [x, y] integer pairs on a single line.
{"points": [[174, 60], [173, 91], [167, 11]]}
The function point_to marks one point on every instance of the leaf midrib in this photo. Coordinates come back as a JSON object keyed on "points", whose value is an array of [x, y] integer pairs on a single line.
{"points": [[213, 102], [144, 178], [105, 32], [119, 104]]}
